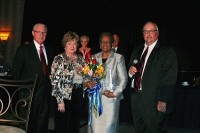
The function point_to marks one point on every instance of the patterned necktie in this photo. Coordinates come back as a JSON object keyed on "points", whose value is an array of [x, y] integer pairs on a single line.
{"points": [[137, 78], [43, 61]]}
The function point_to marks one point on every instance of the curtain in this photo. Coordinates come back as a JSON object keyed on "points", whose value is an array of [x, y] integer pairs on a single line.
{"points": [[11, 19]]}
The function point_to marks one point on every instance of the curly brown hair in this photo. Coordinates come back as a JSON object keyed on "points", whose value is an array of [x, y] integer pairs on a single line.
{"points": [[70, 36]]}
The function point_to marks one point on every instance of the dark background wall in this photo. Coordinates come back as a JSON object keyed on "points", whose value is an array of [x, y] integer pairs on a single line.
{"points": [[177, 21]]}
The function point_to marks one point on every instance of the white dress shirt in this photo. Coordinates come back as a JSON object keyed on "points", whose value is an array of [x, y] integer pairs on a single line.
{"points": [[115, 48], [43, 49], [147, 56]]}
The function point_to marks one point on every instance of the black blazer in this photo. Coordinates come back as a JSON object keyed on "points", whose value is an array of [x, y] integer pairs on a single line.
{"points": [[121, 49], [159, 77], [26, 64]]}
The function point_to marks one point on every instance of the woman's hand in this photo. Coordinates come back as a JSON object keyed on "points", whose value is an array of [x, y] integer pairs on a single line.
{"points": [[89, 84], [61, 107], [108, 94]]}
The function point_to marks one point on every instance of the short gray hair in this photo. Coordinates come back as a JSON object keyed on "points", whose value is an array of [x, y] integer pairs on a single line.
{"points": [[39, 24]]}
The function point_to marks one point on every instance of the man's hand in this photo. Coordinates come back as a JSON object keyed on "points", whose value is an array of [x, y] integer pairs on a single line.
{"points": [[132, 70], [161, 106]]}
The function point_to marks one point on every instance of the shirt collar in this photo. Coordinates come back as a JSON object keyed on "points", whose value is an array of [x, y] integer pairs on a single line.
{"points": [[38, 45], [151, 46]]}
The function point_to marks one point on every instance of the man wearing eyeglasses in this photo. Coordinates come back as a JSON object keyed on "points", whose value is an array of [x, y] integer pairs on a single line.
{"points": [[31, 59], [153, 70]]}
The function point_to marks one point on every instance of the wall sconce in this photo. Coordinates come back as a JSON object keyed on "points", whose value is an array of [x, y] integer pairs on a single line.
{"points": [[3, 41], [4, 35]]}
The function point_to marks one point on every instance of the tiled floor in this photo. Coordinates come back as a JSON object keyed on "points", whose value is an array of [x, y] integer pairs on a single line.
{"points": [[128, 128], [125, 125]]}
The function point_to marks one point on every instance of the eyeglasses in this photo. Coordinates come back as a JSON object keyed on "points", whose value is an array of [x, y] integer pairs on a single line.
{"points": [[106, 42], [149, 31], [39, 32]]}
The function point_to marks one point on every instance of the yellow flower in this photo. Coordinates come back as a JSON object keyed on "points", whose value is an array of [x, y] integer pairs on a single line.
{"points": [[99, 71], [93, 70], [86, 69]]}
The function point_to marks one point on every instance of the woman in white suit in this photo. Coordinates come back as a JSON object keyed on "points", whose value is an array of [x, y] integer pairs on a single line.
{"points": [[112, 87]]}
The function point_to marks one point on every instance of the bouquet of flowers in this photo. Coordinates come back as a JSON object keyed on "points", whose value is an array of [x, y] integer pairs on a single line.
{"points": [[93, 71]]}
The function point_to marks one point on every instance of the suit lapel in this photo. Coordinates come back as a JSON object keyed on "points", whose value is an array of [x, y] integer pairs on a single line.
{"points": [[33, 53], [108, 61], [110, 57], [152, 56], [99, 57], [35, 56], [139, 53], [120, 50]]}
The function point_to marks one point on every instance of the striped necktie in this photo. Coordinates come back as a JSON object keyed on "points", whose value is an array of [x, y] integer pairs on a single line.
{"points": [[137, 78]]}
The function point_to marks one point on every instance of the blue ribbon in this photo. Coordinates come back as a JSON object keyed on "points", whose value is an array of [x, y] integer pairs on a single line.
{"points": [[94, 101]]}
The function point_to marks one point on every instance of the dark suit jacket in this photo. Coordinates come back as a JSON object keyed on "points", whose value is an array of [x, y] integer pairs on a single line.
{"points": [[121, 49], [159, 77], [26, 64]]}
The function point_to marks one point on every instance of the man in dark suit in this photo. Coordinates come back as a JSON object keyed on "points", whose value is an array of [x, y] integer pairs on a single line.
{"points": [[117, 47], [26, 64], [153, 99], [120, 48], [115, 43]]}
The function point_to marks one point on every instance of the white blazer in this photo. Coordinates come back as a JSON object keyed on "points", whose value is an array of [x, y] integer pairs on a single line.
{"points": [[116, 75]]}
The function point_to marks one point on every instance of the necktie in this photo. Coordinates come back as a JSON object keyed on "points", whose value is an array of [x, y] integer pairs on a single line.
{"points": [[43, 61], [137, 78]]}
